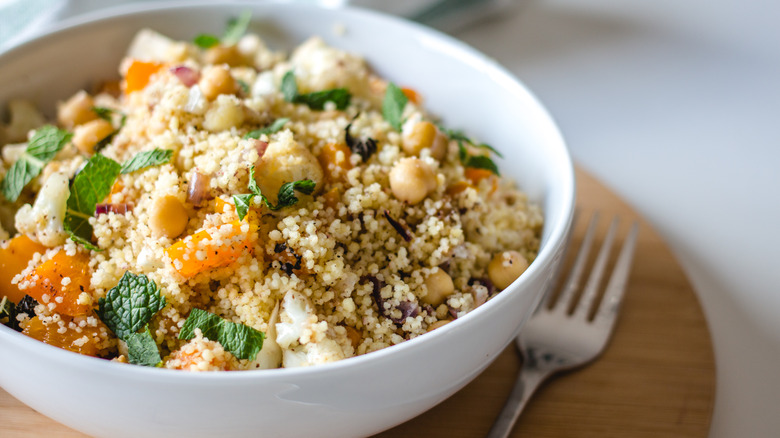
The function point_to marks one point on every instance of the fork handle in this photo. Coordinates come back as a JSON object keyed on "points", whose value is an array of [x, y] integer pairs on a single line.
{"points": [[527, 381]]}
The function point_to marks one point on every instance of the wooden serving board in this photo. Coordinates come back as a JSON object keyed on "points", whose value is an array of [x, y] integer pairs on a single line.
{"points": [[656, 378]]}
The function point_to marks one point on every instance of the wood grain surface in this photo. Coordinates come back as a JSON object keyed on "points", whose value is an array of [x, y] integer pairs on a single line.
{"points": [[656, 378]]}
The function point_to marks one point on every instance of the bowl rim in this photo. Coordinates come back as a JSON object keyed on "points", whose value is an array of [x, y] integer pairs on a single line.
{"points": [[509, 81]]}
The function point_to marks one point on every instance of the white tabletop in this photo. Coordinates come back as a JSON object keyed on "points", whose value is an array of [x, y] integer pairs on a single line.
{"points": [[676, 107]]}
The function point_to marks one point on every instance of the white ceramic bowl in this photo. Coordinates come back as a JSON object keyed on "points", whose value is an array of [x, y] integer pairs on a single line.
{"points": [[354, 397]]}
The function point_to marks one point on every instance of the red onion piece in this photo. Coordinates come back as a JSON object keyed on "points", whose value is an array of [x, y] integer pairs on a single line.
{"points": [[261, 146], [122, 208], [186, 75], [198, 189]]}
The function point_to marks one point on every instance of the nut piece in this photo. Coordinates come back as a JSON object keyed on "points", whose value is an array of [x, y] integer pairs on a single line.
{"points": [[440, 286], [411, 180], [506, 267], [215, 81], [88, 135], [168, 217], [439, 323], [76, 110]]}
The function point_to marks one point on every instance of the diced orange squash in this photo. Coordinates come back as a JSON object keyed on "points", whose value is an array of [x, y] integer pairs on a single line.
{"points": [[334, 160], [412, 95], [458, 187], [211, 248], [14, 256], [220, 204], [138, 75], [476, 175], [63, 278], [331, 198], [87, 341]]}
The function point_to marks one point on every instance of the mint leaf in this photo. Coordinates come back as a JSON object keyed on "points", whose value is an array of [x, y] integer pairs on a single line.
{"points": [[289, 87], [268, 130], [393, 105], [21, 173], [46, 142], [146, 159], [43, 146], [242, 341], [315, 100], [482, 162], [287, 196], [90, 186], [142, 350], [475, 161], [236, 28], [206, 41], [243, 202], [103, 112], [130, 305]]}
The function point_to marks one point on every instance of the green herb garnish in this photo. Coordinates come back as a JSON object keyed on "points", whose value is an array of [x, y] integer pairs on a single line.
{"points": [[142, 350], [285, 198], [393, 106], [242, 341], [43, 146], [244, 86], [127, 308], [235, 29], [8, 313], [130, 304], [468, 160], [146, 159], [206, 41], [268, 130], [103, 112], [317, 99], [90, 186]]}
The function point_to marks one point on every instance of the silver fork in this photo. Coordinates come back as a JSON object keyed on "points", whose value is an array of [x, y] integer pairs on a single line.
{"points": [[555, 339]]}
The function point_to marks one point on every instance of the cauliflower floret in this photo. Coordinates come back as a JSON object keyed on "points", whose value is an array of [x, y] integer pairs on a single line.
{"points": [[286, 161], [148, 45], [296, 316], [42, 221], [321, 67], [270, 356], [24, 117], [324, 351]]}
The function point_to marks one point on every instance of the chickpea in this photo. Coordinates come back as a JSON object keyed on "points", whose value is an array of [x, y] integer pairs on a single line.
{"points": [[88, 135], [439, 323], [215, 81], [506, 267], [220, 54], [420, 137], [168, 217], [440, 286], [440, 145], [76, 110], [411, 180]]}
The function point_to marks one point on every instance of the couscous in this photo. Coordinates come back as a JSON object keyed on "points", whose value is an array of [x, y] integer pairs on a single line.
{"points": [[224, 206]]}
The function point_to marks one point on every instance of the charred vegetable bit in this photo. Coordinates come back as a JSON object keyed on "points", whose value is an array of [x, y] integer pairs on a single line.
{"points": [[365, 147], [407, 308], [8, 314], [400, 228]]}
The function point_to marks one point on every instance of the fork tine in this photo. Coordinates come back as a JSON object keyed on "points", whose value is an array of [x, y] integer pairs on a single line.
{"points": [[613, 295], [597, 272], [573, 281], [558, 273]]}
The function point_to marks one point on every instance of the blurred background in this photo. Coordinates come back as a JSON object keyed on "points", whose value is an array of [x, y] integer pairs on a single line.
{"points": [[674, 106]]}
